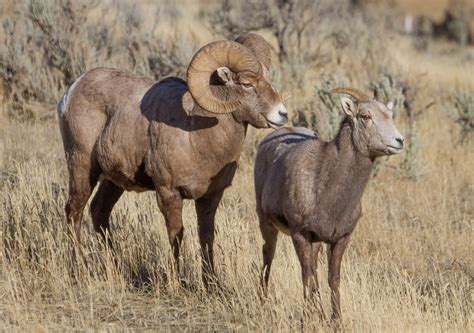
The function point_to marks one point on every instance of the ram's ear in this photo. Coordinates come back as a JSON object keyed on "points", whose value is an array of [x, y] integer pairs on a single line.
{"points": [[188, 102], [349, 107], [285, 96], [376, 94], [225, 75]]}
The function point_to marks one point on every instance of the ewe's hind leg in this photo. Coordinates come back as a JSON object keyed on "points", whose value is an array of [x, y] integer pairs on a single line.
{"points": [[206, 211], [83, 176], [104, 200], [270, 237]]}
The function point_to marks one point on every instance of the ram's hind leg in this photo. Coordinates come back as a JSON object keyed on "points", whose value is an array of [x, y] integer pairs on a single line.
{"points": [[104, 201], [80, 130], [83, 176]]}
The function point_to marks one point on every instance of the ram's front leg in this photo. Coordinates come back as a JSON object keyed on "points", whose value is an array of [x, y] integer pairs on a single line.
{"points": [[171, 205], [206, 211]]}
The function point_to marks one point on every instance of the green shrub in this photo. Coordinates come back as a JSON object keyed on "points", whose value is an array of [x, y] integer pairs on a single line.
{"points": [[462, 111], [48, 44], [322, 114]]}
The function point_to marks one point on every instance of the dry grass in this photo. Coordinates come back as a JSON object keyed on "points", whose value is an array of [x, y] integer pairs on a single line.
{"points": [[409, 266]]}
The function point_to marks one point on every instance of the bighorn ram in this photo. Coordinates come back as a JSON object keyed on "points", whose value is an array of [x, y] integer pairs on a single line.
{"points": [[180, 139], [311, 189]]}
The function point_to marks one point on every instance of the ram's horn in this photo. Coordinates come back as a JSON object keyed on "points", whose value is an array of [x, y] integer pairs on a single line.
{"points": [[207, 60], [259, 46]]}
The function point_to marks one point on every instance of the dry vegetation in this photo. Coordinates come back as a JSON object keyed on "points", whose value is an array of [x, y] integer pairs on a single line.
{"points": [[409, 266]]}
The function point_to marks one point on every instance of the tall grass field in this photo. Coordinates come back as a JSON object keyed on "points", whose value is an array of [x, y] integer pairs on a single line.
{"points": [[409, 266]]}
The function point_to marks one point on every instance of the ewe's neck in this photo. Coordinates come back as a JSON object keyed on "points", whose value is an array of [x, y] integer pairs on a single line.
{"points": [[351, 162]]}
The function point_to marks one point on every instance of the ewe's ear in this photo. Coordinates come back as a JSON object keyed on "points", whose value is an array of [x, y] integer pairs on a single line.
{"points": [[349, 106], [390, 105], [225, 75]]}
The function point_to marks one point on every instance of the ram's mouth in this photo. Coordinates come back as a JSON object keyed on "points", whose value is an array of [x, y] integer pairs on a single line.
{"points": [[274, 125], [394, 150]]}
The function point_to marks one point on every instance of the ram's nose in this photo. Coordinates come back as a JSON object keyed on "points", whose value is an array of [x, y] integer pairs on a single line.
{"points": [[278, 116], [400, 140], [283, 113]]}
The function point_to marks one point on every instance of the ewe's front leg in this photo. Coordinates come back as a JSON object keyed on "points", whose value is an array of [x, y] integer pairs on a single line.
{"points": [[171, 205], [316, 247], [335, 252], [206, 208], [308, 256], [304, 251]]}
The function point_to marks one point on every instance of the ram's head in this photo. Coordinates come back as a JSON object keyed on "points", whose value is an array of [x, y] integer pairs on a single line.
{"points": [[232, 76]]}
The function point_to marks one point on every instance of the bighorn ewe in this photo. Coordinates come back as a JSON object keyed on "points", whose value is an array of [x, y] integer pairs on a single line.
{"points": [[180, 139], [311, 189]]}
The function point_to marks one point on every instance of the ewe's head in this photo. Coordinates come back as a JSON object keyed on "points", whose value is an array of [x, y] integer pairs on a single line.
{"points": [[374, 132], [232, 76]]}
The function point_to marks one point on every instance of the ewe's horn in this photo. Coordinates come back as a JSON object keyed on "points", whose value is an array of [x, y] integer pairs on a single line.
{"points": [[259, 46], [210, 57], [358, 95]]}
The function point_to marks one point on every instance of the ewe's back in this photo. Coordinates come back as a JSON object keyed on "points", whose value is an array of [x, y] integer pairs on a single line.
{"points": [[272, 150]]}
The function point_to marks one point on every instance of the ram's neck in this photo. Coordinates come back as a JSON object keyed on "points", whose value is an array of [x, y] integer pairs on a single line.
{"points": [[219, 136]]}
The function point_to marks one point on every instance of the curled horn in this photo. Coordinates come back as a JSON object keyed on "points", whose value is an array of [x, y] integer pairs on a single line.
{"points": [[358, 95], [207, 60], [259, 46]]}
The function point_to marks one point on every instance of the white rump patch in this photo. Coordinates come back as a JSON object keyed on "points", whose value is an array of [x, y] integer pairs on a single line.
{"points": [[63, 104]]}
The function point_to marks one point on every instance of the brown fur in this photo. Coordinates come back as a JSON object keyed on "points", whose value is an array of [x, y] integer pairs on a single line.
{"points": [[140, 135], [311, 189]]}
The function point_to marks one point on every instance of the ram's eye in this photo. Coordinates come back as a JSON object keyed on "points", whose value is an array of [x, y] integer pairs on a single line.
{"points": [[365, 116], [247, 84]]}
